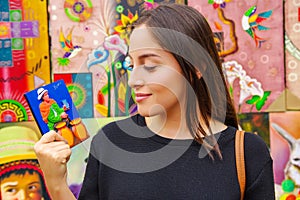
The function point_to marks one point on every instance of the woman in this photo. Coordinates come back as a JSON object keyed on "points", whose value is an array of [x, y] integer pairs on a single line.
{"points": [[181, 144]]}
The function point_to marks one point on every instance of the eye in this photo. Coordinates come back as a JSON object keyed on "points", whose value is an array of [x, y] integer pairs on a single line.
{"points": [[33, 187], [11, 190], [149, 68]]}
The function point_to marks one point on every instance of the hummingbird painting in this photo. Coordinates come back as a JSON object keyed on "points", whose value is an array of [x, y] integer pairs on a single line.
{"points": [[251, 23], [67, 45]]}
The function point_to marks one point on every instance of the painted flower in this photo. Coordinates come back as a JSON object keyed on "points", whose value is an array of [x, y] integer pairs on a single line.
{"points": [[114, 42], [126, 64], [150, 4], [102, 109], [218, 3], [123, 25], [250, 87], [97, 56], [233, 70], [120, 8]]}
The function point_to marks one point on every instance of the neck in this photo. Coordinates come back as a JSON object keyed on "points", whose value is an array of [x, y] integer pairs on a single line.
{"points": [[169, 126]]}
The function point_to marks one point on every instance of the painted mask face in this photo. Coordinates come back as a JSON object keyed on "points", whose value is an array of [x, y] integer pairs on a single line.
{"points": [[156, 76], [21, 187]]}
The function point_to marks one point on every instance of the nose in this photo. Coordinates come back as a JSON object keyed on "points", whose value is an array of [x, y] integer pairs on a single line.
{"points": [[135, 79], [21, 195]]}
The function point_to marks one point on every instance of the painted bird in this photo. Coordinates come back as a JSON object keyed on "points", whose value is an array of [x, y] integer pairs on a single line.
{"points": [[251, 23], [67, 45]]}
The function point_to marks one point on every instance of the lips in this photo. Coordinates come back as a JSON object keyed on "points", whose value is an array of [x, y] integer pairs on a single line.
{"points": [[141, 96]]}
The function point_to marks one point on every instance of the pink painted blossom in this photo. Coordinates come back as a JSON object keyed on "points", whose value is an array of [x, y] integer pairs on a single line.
{"points": [[114, 42]]}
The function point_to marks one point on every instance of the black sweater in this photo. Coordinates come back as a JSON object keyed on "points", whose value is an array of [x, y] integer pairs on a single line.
{"points": [[128, 161]]}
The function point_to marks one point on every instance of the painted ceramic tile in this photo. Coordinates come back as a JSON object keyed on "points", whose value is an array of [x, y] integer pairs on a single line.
{"points": [[292, 53], [253, 54], [284, 139], [24, 55]]}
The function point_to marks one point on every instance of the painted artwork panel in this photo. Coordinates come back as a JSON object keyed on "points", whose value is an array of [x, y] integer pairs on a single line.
{"points": [[257, 123], [253, 56], [54, 110], [93, 39], [24, 55], [78, 48], [284, 141], [292, 54], [19, 167]]}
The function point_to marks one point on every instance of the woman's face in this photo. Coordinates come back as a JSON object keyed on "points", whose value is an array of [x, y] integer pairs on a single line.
{"points": [[156, 77], [17, 187]]}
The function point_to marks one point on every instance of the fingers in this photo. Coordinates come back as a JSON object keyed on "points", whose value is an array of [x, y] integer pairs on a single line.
{"points": [[51, 136], [52, 147], [61, 156], [56, 145], [52, 156]]}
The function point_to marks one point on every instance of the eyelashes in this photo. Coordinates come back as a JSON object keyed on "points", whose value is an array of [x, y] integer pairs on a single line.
{"points": [[146, 67], [150, 68]]}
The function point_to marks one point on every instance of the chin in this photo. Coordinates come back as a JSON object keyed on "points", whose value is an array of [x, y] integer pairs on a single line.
{"points": [[146, 111], [143, 113]]}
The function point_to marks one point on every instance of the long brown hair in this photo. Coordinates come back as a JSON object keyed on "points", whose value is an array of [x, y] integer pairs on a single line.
{"points": [[209, 92]]}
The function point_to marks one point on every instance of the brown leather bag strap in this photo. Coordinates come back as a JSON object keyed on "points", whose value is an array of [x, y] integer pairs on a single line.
{"points": [[240, 161]]}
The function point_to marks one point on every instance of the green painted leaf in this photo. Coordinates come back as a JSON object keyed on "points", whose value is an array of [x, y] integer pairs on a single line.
{"points": [[104, 89], [231, 90], [254, 99], [263, 100], [132, 94]]}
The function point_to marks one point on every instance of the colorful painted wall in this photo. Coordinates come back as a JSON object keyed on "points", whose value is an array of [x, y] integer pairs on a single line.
{"points": [[84, 42]]}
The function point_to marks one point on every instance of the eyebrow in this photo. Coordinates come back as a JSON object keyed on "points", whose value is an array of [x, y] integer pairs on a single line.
{"points": [[10, 184], [35, 182], [147, 55], [14, 184]]}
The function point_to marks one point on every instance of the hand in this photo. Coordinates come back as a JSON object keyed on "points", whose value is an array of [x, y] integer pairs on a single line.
{"points": [[53, 152], [63, 115]]}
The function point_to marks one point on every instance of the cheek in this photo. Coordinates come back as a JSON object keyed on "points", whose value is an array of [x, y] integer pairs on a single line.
{"points": [[167, 95], [35, 196], [173, 86]]}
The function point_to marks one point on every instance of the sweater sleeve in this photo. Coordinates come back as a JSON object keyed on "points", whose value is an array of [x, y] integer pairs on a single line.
{"points": [[259, 169], [263, 187]]}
